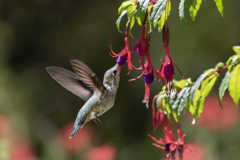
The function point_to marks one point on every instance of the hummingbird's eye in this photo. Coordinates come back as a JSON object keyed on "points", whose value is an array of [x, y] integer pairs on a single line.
{"points": [[114, 72]]}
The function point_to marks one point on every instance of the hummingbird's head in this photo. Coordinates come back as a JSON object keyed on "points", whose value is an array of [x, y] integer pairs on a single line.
{"points": [[112, 77]]}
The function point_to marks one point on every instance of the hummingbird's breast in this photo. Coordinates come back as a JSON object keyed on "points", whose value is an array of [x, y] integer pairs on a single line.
{"points": [[105, 103]]}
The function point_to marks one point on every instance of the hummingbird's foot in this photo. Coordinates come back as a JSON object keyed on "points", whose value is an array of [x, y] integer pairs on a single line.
{"points": [[98, 121]]}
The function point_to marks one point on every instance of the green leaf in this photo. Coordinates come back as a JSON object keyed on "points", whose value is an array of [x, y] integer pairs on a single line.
{"points": [[125, 6], [145, 7], [178, 85], [163, 19], [229, 61], [119, 19], [156, 11], [165, 104], [207, 84], [194, 8], [138, 12], [178, 99], [151, 26], [192, 109], [223, 87], [150, 22], [149, 8], [131, 25], [184, 7], [199, 104], [189, 82], [232, 61], [197, 107], [235, 60], [219, 4], [175, 116], [141, 10], [197, 85], [236, 49], [219, 65], [131, 11], [234, 84], [172, 98], [181, 100]]}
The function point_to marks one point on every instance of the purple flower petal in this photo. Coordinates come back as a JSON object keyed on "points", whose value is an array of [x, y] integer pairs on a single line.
{"points": [[140, 50], [148, 78], [167, 147], [122, 59], [180, 149], [168, 70]]}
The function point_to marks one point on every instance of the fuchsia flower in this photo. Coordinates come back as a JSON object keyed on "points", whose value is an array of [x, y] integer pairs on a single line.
{"points": [[125, 54], [148, 73], [168, 143], [141, 46], [157, 117], [148, 77], [181, 145], [167, 69]]}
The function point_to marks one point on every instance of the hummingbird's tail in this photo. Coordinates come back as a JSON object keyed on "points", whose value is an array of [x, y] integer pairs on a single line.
{"points": [[76, 128]]}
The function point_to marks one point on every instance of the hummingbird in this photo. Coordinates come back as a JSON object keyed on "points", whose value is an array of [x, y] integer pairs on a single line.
{"points": [[99, 96]]}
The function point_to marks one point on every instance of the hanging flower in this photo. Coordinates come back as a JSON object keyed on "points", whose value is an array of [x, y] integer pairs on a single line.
{"points": [[157, 116], [141, 46], [168, 144], [148, 73], [167, 69], [125, 54], [181, 145], [171, 134], [148, 77]]}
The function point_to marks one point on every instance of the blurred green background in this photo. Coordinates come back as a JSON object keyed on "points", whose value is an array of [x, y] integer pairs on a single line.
{"points": [[35, 34]]}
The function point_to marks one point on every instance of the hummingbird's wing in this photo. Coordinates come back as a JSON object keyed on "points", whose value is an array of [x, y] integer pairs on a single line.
{"points": [[89, 78], [71, 82]]}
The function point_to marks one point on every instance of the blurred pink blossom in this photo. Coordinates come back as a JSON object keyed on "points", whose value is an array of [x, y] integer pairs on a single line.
{"points": [[78, 142], [22, 151], [104, 152], [5, 128], [19, 146], [216, 119], [189, 155]]}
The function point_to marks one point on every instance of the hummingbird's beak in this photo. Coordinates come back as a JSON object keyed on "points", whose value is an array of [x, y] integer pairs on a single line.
{"points": [[118, 67]]}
